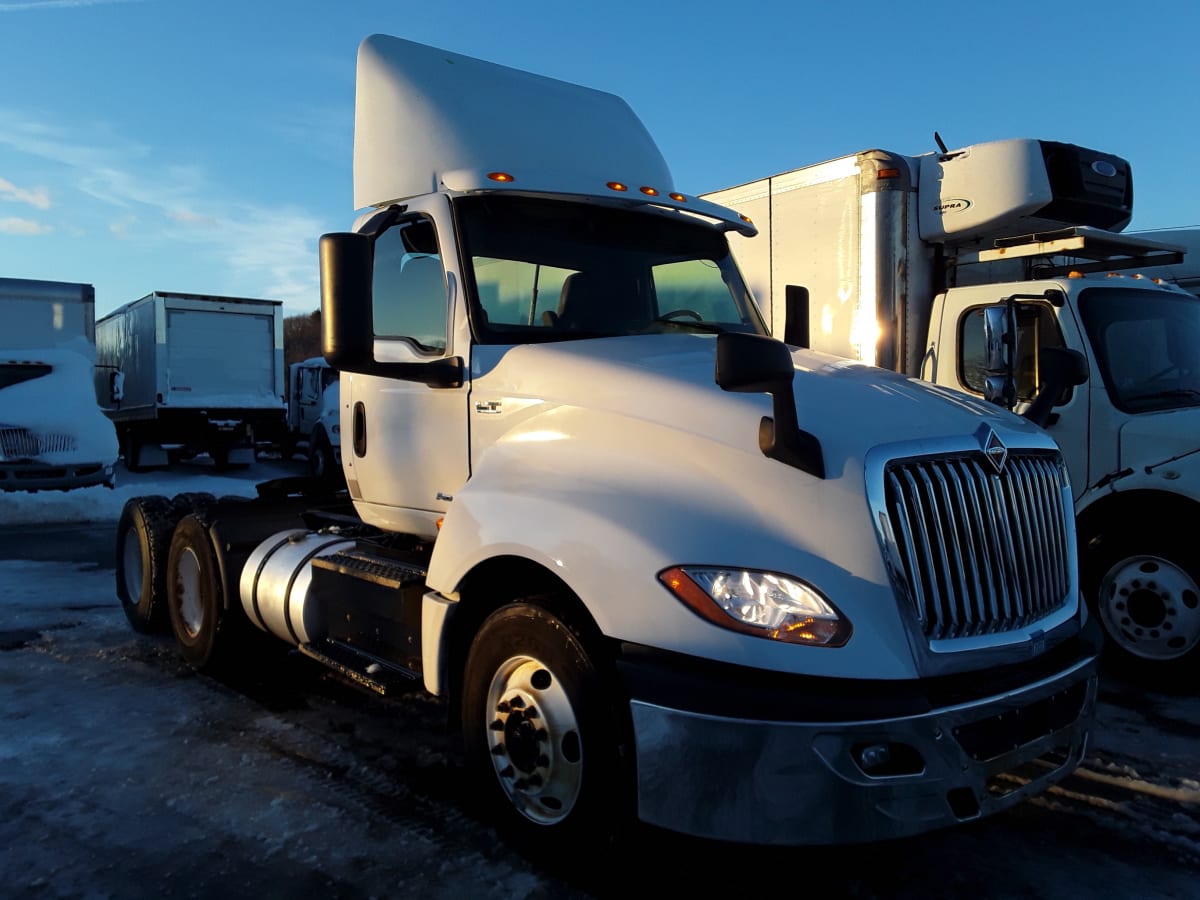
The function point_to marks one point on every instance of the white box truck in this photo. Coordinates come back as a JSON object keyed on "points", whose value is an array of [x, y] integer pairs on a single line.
{"points": [[53, 435], [922, 263], [662, 568], [314, 411], [182, 375]]}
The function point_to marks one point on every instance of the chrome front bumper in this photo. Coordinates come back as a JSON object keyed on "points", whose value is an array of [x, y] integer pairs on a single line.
{"points": [[797, 783]]}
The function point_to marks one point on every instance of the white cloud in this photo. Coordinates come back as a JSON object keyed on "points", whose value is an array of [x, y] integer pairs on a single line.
{"points": [[56, 4], [14, 225], [38, 198], [120, 227], [273, 250]]}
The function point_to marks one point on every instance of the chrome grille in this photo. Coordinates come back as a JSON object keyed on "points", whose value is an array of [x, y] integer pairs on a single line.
{"points": [[21, 443], [982, 551]]}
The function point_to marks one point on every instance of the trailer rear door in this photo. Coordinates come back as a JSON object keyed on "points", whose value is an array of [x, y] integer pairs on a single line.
{"points": [[220, 357]]}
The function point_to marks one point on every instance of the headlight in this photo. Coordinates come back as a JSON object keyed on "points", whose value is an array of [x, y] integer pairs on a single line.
{"points": [[764, 604]]}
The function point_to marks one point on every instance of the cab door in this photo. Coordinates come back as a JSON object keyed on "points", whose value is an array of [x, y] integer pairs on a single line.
{"points": [[405, 442]]}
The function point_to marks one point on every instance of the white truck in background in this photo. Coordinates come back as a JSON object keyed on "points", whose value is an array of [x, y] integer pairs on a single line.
{"points": [[963, 268], [656, 571], [53, 435], [182, 375], [314, 412]]}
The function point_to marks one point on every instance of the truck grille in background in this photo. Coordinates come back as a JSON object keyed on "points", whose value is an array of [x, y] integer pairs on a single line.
{"points": [[983, 552], [21, 443]]}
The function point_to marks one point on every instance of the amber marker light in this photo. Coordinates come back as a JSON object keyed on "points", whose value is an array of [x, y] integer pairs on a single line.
{"points": [[500, 176], [439, 522], [678, 198], [617, 186], [746, 219], [649, 191], [889, 173]]}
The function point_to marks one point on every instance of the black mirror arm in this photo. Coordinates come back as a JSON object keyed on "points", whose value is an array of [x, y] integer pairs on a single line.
{"points": [[781, 437]]}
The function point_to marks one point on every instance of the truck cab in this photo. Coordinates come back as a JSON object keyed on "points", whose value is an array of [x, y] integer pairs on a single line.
{"points": [[1130, 434], [314, 411], [663, 567], [53, 434]]}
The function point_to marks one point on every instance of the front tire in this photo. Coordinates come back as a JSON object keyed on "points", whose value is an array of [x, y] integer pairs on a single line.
{"points": [[1147, 597], [540, 735], [143, 544]]}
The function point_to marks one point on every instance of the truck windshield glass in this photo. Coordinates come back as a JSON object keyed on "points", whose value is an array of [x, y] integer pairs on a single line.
{"points": [[1147, 347], [548, 270]]}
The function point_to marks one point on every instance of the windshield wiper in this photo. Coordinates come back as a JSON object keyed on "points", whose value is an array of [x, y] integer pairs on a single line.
{"points": [[1172, 394], [706, 327]]}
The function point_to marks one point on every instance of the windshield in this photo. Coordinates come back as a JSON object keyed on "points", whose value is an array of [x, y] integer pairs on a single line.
{"points": [[1147, 346], [549, 270]]}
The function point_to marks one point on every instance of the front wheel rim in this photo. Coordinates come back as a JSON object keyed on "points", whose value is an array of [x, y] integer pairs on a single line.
{"points": [[1151, 607], [534, 740]]}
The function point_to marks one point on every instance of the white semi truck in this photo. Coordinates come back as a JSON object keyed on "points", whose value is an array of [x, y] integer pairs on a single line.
{"points": [[662, 567], [183, 374], [53, 435], [922, 264], [314, 416]]}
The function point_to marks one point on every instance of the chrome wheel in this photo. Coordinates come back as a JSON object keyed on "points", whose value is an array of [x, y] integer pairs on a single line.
{"points": [[191, 604], [1150, 607], [533, 737]]}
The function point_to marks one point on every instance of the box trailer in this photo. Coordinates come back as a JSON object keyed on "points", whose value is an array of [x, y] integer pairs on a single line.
{"points": [[186, 374]]}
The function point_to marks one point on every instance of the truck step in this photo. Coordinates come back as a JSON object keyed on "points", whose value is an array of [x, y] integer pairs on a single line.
{"points": [[365, 669], [370, 567]]}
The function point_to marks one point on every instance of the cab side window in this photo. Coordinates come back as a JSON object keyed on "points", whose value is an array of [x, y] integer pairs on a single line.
{"points": [[410, 287], [1037, 328]]}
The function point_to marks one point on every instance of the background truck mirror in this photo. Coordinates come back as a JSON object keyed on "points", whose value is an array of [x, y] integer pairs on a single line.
{"points": [[999, 332], [1061, 368]]}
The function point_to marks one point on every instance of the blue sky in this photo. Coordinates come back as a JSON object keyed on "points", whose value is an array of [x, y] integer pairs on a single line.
{"points": [[204, 146]]}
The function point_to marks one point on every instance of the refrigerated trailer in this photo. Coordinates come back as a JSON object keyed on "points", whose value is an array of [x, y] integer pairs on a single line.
{"points": [[182, 375]]}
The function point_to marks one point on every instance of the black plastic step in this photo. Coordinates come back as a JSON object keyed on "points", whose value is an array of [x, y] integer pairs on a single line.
{"points": [[386, 572]]}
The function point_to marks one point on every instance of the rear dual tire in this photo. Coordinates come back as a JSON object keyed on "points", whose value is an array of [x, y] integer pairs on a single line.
{"points": [[205, 631]]}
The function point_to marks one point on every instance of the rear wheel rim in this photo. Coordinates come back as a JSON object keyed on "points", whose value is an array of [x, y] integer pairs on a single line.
{"points": [[191, 605], [534, 741]]}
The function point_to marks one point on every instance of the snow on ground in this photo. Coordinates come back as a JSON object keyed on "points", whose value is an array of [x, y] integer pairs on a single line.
{"points": [[101, 504]]}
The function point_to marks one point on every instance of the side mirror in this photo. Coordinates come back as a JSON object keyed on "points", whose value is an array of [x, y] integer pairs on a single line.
{"points": [[999, 336], [1061, 367], [753, 364], [795, 325], [347, 318], [347, 329]]}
